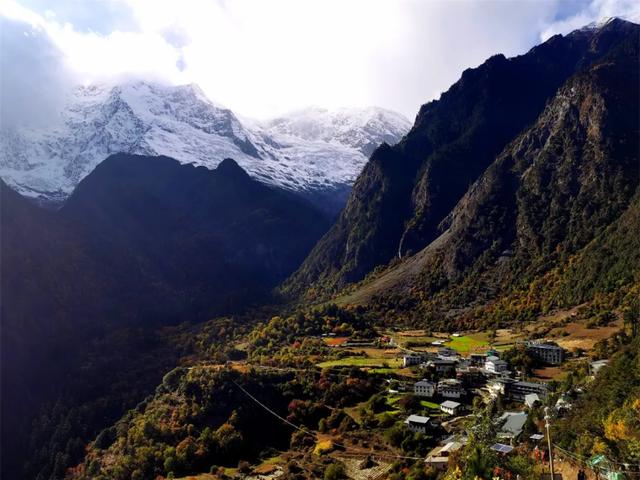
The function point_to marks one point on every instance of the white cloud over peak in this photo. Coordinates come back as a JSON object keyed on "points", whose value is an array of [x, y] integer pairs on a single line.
{"points": [[594, 11], [262, 58]]}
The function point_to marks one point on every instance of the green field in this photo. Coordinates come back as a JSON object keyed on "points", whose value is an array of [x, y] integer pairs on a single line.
{"points": [[383, 371], [430, 405], [418, 341], [466, 344], [502, 348], [362, 362]]}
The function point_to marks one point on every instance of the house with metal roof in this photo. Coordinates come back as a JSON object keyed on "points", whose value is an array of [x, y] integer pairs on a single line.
{"points": [[424, 388], [438, 458], [417, 423], [512, 425], [450, 407]]}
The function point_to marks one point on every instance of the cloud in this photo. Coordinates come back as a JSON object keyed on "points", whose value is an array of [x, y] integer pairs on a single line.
{"points": [[41, 59], [33, 77], [595, 11], [264, 58], [94, 56]]}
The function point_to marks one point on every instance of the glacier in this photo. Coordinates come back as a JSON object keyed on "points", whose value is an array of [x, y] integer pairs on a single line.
{"points": [[307, 151]]}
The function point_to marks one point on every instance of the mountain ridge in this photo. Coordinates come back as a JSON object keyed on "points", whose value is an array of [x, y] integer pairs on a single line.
{"points": [[142, 243], [590, 194], [181, 122], [405, 192]]}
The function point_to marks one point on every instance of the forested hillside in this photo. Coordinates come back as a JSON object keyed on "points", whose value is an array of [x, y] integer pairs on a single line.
{"points": [[143, 242]]}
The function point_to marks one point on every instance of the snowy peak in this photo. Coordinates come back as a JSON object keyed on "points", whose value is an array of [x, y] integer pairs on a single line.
{"points": [[360, 128], [161, 105], [310, 150]]}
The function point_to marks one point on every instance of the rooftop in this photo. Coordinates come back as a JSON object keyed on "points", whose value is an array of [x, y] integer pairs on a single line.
{"points": [[424, 382], [530, 398], [531, 384], [442, 361], [418, 419], [450, 381], [450, 404], [451, 447], [547, 346], [513, 422]]}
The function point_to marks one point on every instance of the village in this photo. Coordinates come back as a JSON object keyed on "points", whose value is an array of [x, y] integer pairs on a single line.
{"points": [[431, 390], [448, 374], [455, 381]]}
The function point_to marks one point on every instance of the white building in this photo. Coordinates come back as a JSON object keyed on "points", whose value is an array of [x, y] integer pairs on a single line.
{"points": [[417, 423], [494, 365], [424, 388], [450, 407]]}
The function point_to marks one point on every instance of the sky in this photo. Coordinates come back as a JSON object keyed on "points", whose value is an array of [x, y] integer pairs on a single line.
{"points": [[262, 58]]}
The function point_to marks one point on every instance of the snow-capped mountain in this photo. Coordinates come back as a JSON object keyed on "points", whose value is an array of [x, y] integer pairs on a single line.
{"points": [[364, 129], [310, 150]]}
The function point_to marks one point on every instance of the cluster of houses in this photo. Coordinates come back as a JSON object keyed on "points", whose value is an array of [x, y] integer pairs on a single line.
{"points": [[452, 377], [512, 425], [458, 375]]}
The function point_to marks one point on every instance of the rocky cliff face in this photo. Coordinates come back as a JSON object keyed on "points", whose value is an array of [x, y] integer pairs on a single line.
{"points": [[554, 189], [445, 169]]}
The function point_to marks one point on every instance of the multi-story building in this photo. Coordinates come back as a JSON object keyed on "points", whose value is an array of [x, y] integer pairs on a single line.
{"points": [[549, 353], [477, 359], [450, 407], [442, 366], [471, 377], [517, 391], [450, 388], [417, 423], [424, 388], [413, 359], [493, 364]]}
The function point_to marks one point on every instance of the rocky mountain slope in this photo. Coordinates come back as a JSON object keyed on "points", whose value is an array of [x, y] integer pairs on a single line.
{"points": [[312, 151], [155, 224], [534, 153], [568, 183], [142, 242]]}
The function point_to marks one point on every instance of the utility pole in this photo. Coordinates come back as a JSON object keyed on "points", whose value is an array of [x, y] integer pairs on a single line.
{"points": [[546, 422]]}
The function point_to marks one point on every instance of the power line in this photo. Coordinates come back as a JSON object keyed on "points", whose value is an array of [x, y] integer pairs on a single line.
{"points": [[308, 432], [605, 469]]}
